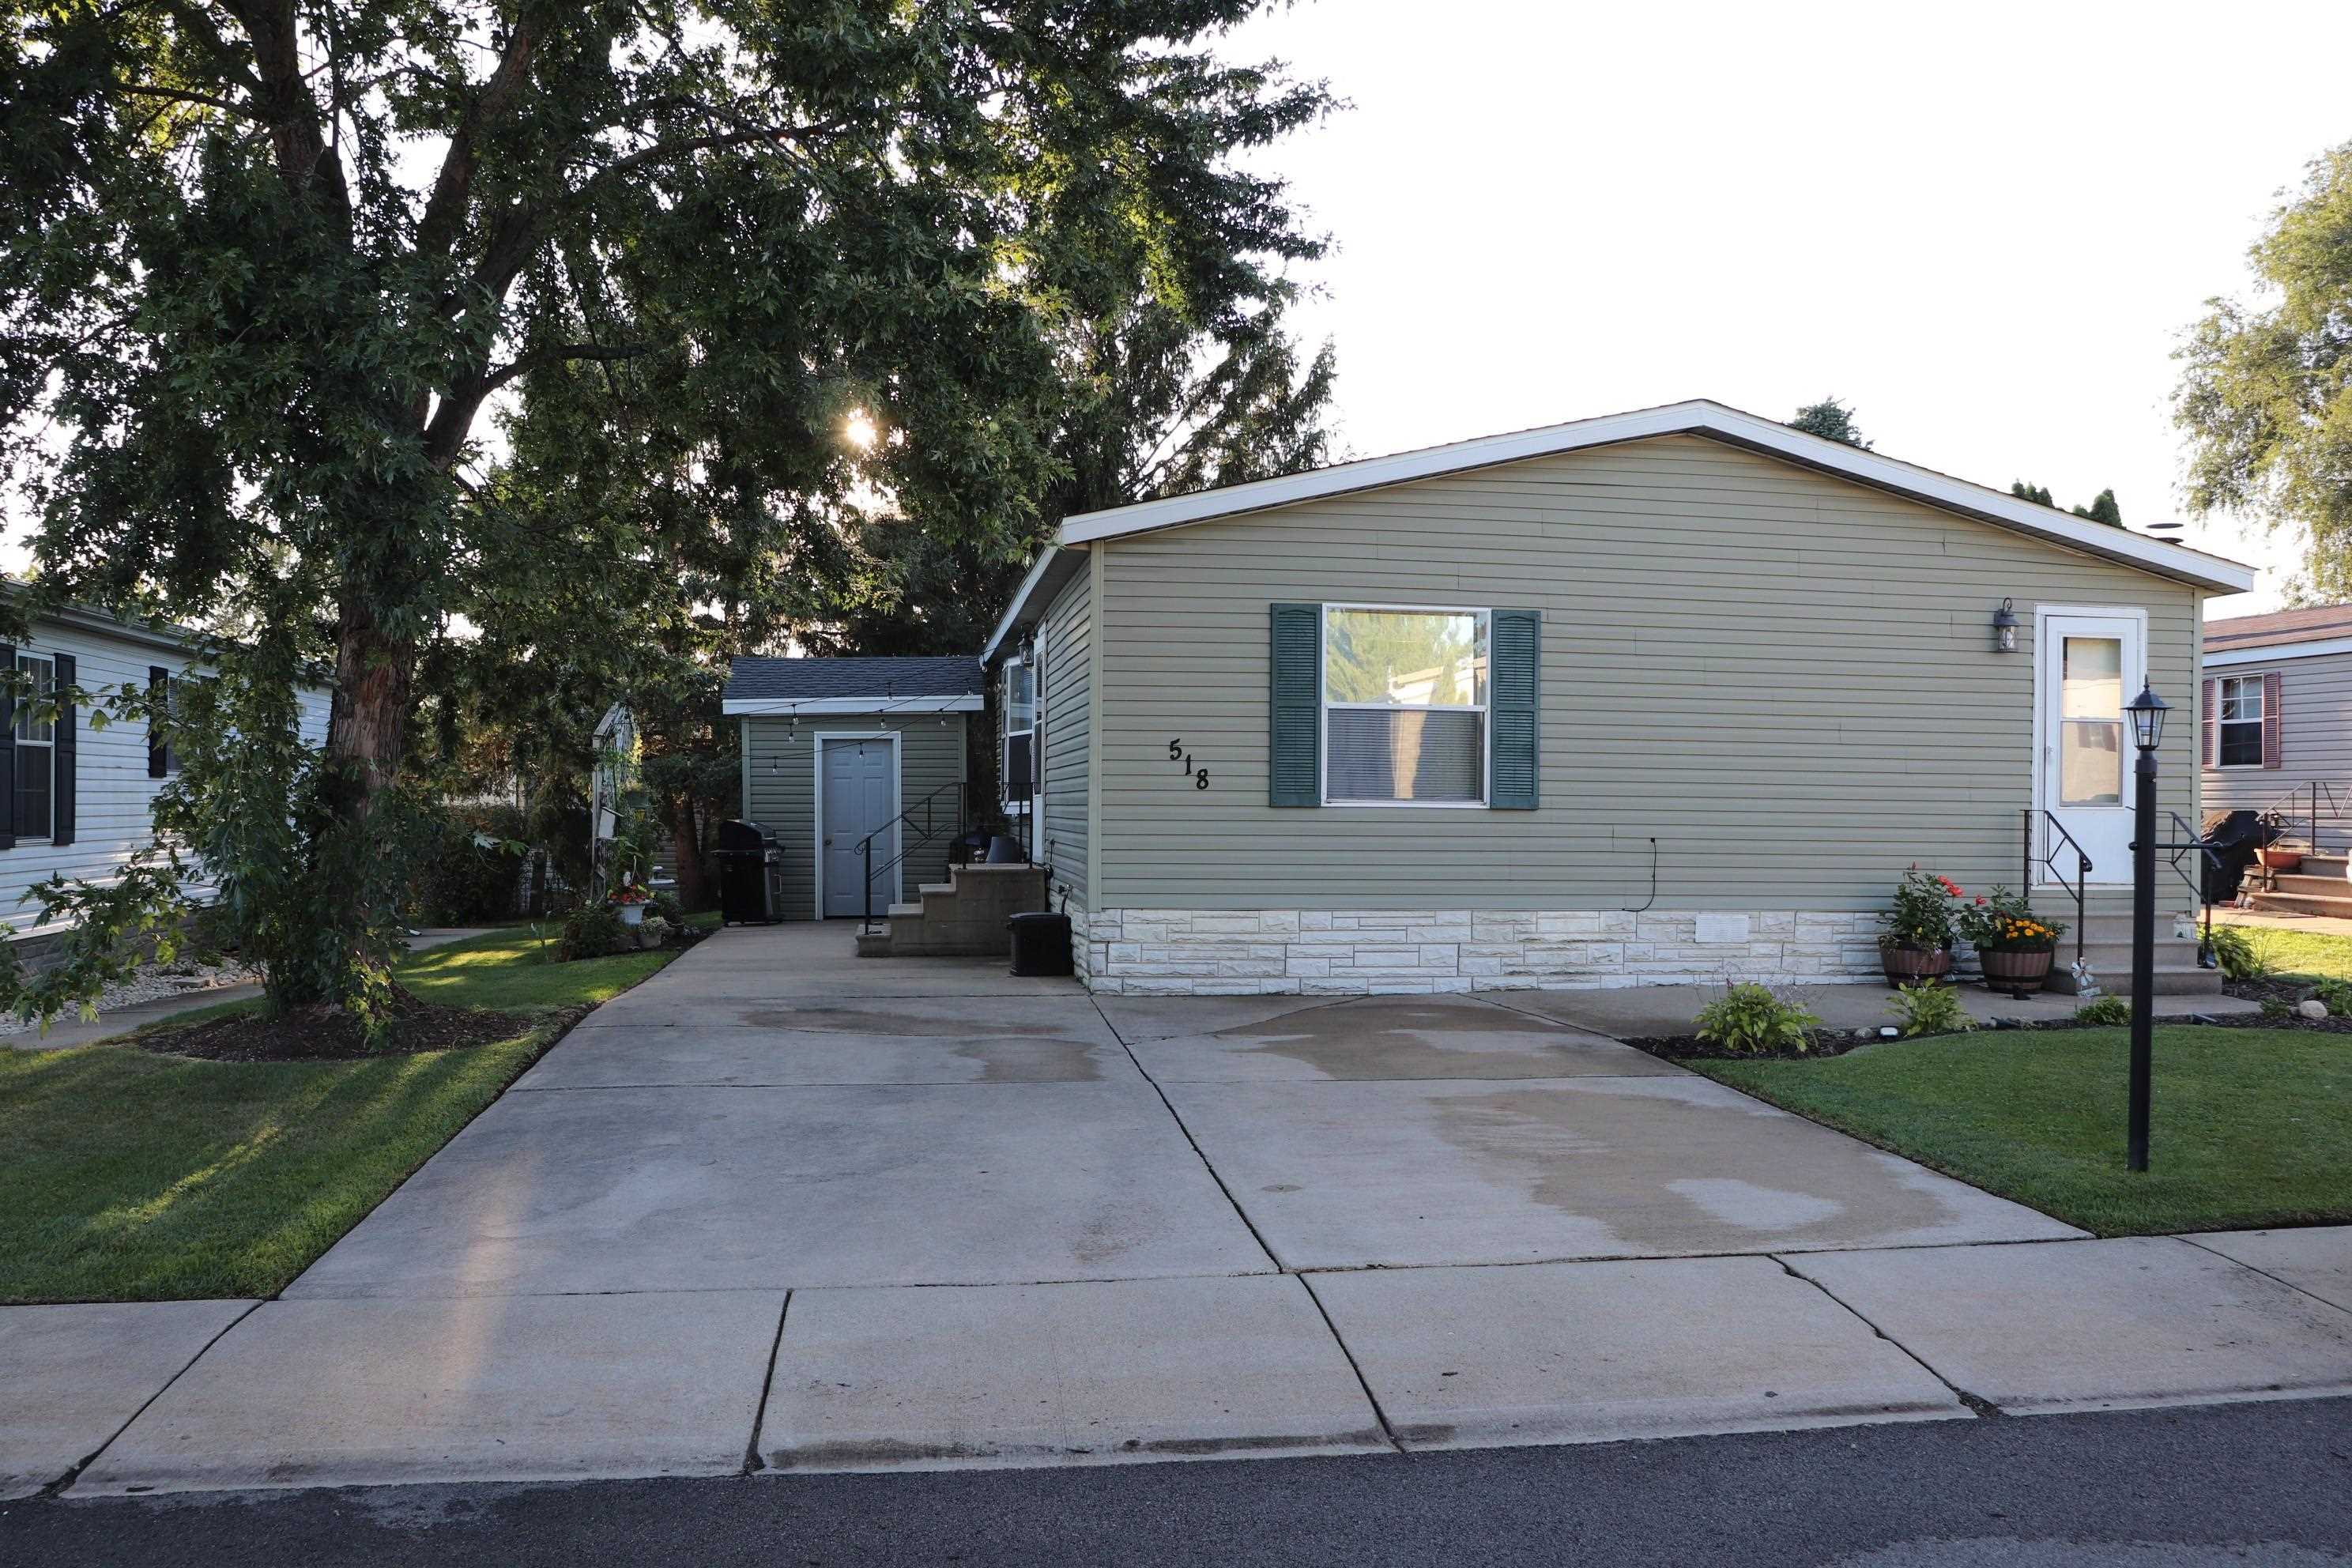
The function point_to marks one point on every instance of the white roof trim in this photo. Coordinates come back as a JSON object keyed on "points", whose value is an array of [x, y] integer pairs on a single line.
{"points": [[2270, 653], [1696, 418], [1020, 598], [814, 707]]}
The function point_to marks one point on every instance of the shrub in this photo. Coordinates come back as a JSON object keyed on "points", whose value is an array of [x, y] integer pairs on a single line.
{"points": [[1922, 915], [663, 907], [592, 931], [2275, 1007], [468, 871], [1925, 1007], [2243, 955], [1749, 1019], [2337, 997], [2106, 1011]]}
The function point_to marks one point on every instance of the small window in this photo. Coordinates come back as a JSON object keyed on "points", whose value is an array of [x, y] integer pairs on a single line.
{"points": [[1404, 706], [2241, 721], [1017, 776], [35, 751]]}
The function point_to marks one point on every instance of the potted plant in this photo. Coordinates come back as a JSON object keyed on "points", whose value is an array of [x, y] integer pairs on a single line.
{"points": [[2014, 944], [630, 899], [1917, 942]]}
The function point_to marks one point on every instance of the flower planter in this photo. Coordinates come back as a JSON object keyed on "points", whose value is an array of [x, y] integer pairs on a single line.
{"points": [[2015, 972], [1907, 966], [631, 914], [2280, 860]]}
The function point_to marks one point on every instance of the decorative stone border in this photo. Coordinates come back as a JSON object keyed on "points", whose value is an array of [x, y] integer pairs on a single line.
{"points": [[1189, 952]]}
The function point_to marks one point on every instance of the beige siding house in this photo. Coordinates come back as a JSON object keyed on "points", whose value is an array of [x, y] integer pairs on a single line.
{"points": [[1670, 695], [2277, 734]]}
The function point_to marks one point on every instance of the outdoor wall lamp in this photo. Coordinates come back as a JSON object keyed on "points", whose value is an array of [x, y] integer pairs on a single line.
{"points": [[2004, 628]]}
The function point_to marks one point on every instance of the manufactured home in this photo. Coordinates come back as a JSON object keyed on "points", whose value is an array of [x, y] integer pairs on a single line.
{"points": [[1670, 695]]}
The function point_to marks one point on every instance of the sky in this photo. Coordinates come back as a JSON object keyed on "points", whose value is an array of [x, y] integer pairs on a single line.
{"points": [[1983, 227]]}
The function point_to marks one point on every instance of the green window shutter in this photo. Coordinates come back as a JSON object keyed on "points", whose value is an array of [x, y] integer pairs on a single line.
{"points": [[1515, 652], [67, 750], [1295, 763]]}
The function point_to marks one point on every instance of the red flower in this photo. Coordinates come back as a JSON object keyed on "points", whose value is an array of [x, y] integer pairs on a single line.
{"points": [[1979, 898]]}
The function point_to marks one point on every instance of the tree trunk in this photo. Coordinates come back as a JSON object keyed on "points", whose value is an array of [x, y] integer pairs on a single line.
{"points": [[686, 856], [368, 735]]}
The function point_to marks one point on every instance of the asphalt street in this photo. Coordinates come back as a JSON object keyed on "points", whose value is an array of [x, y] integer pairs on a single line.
{"points": [[2265, 1484]]}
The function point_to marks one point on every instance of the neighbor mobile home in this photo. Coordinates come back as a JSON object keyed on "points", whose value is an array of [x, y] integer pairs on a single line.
{"points": [[1676, 694]]}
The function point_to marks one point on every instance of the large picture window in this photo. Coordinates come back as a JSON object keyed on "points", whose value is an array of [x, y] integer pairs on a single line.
{"points": [[37, 750], [2240, 719], [1404, 706]]}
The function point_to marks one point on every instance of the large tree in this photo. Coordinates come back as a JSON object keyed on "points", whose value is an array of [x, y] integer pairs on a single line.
{"points": [[2266, 388], [1831, 420], [266, 263]]}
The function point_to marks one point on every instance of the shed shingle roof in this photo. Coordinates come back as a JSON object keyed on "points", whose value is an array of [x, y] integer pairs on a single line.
{"points": [[823, 680]]}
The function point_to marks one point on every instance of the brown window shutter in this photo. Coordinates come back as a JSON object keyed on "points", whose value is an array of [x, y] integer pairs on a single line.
{"points": [[2209, 724], [2272, 717]]}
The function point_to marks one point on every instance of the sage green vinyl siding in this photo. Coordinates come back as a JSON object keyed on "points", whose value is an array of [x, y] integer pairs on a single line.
{"points": [[1069, 639], [781, 774], [2315, 747], [1787, 679]]}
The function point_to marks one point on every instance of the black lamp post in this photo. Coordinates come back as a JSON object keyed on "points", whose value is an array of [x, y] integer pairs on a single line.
{"points": [[2147, 710]]}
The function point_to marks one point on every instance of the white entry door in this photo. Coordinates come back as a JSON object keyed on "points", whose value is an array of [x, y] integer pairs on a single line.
{"points": [[2089, 663], [859, 797]]}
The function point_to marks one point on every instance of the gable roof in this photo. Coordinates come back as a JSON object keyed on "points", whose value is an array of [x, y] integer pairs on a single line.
{"points": [[1696, 417], [2282, 634], [948, 684]]}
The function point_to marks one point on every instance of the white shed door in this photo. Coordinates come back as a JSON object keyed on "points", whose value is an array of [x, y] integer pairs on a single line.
{"points": [[2088, 665]]}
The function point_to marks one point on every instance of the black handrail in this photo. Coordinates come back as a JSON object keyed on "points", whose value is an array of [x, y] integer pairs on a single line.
{"points": [[2189, 839], [2050, 862], [924, 831]]}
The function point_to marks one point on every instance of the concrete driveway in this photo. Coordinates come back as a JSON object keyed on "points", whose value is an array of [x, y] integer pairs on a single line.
{"points": [[780, 1208]]}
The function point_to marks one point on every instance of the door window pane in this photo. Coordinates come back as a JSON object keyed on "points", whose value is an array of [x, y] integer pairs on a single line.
{"points": [[2092, 683]]}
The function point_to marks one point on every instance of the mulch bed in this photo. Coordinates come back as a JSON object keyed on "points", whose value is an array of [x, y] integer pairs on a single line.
{"points": [[1837, 1042], [327, 1034]]}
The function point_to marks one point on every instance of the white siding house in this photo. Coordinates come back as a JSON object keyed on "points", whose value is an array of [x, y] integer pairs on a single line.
{"points": [[79, 799]]}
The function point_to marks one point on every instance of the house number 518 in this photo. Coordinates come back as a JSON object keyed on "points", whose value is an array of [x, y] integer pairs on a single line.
{"points": [[1183, 759]]}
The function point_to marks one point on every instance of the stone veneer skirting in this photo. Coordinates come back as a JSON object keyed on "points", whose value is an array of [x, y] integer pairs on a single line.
{"points": [[1191, 952]]}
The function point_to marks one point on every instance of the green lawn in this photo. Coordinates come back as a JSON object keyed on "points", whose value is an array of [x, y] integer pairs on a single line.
{"points": [[126, 1176], [2249, 1127], [2292, 952]]}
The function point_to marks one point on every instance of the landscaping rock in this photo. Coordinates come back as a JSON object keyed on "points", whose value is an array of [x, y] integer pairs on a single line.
{"points": [[2312, 1008]]}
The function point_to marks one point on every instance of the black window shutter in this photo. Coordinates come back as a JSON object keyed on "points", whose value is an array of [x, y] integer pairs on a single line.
{"points": [[61, 830], [159, 691], [1295, 763], [1517, 652], [7, 753]]}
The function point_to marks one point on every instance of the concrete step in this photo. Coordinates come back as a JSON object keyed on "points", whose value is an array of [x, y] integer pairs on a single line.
{"points": [[2308, 886], [2171, 979], [2300, 904], [874, 943], [895, 911]]}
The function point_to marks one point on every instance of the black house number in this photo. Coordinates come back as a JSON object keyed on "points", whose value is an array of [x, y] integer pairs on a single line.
{"points": [[1183, 761]]}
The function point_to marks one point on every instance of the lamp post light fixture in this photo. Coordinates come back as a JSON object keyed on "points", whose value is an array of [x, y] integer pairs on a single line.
{"points": [[2004, 628], [2146, 712]]}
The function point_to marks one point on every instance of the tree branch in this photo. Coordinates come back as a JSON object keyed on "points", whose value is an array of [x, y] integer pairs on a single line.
{"points": [[567, 352], [181, 95], [445, 211]]}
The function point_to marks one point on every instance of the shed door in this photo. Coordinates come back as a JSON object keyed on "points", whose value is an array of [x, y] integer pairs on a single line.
{"points": [[2087, 666], [860, 799]]}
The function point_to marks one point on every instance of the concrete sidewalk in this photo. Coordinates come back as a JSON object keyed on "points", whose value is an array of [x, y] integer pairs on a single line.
{"points": [[834, 1216]]}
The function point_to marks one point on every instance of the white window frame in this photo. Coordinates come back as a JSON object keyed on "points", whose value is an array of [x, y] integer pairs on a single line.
{"points": [[1486, 710], [1018, 809], [2260, 720], [49, 748]]}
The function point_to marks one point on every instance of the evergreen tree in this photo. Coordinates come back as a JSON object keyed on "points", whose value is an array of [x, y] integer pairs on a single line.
{"points": [[1831, 420]]}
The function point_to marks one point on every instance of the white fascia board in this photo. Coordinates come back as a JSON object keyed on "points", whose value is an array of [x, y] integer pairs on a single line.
{"points": [[2272, 653], [817, 706], [1698, 417], [1011, 616]]}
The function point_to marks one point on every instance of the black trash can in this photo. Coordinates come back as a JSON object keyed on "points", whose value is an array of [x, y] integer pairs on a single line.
{"points": [[1041, 943]]}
